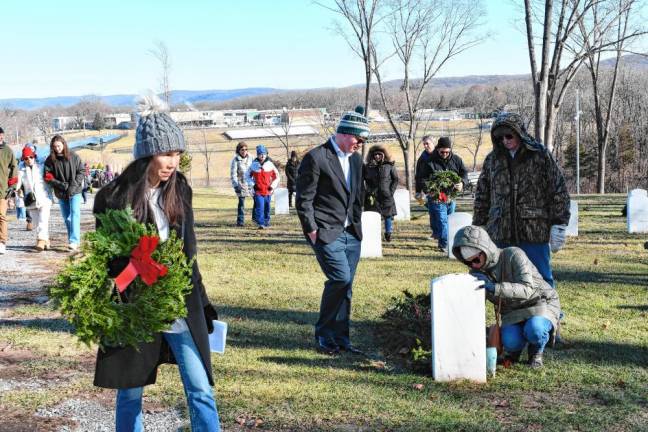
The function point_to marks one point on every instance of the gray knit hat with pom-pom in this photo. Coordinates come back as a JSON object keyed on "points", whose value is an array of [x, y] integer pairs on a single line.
{"points": [[156, 132]]}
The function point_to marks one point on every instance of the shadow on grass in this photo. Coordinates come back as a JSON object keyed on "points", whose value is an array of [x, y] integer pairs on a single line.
{"points": [[49, 324], [640, 279], [606, 352], [296, 332], [640, 308]]}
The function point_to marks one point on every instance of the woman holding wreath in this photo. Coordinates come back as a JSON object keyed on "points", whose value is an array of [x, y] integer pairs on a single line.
{"points": [[160, 195]]}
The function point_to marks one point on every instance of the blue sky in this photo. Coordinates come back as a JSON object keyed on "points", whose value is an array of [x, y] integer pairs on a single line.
{"points": [[70, 47]]}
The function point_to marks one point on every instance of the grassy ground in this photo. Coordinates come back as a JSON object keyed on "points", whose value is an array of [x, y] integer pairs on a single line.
{"points": [[267, 285]]}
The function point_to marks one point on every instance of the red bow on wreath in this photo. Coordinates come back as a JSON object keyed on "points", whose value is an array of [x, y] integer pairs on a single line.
{"points": [[142, 264], [443, 197]]}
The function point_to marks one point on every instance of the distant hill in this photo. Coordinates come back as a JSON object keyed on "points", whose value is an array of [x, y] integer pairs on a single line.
{"points": [[177, 96]]}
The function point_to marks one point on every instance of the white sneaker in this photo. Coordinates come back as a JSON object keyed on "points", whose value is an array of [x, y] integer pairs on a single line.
{"points": [[3, 248], [73, 247]]}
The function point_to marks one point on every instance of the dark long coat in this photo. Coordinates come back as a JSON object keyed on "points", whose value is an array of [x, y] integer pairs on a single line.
{"points": [[381, 181], [125, 367]]}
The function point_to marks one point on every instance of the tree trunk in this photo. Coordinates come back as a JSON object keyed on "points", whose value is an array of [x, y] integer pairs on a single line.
{"points": [[408, 175]]}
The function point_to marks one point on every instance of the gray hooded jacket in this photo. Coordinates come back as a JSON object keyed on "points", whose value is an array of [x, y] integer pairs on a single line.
{"points": [[523, 291]]}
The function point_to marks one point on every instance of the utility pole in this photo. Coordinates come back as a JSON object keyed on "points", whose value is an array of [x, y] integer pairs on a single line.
{"points": [[577, 119]]}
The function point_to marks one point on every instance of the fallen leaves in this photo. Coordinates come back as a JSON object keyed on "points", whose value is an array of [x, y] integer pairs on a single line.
{"points": [[418, 387], [249, 422]]}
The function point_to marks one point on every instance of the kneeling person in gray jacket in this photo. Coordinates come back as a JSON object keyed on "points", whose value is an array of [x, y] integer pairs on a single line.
{"points": [[530, 307]]}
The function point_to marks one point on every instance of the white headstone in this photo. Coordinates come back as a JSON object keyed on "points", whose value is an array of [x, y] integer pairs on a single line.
{"points": [[371, 246], [638, 211], [456, 221], [402, 199], [572, 228], [458, 328], [281, 201]]}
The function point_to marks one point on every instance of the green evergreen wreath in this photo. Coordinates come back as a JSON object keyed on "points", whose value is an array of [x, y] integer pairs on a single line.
{"points": [[88, 298], [441, 185]]}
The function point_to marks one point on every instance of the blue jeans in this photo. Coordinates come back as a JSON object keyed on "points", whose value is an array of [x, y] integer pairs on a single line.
{"points": [[338, 261], [71, 212], [539, 254], [439, 212], [21, 213], [389, 224], [202, 407], [262, 209], [534, 331], [240, 211]]}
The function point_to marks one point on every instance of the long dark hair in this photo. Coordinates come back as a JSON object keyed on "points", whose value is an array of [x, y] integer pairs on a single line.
{"points": [[134, 179], [66, 150]]}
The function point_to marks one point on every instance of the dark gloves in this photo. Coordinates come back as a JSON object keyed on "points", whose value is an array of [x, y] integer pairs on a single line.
{"points": [[237, 190], [487, 284], [117, 265], [210, 315]]}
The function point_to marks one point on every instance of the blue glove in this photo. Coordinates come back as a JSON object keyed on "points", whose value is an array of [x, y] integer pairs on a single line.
{"points": [[487, 283]]}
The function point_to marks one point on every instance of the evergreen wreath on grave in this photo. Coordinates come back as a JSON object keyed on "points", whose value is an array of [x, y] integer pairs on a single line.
{"points": [[441, 185], [145, 296]]}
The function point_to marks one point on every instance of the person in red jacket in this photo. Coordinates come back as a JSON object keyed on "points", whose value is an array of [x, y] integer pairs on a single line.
{"points": [[264, 176]]}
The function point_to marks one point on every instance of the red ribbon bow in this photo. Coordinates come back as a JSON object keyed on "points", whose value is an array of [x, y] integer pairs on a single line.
{"points": [[49, 177], [443, 197], [142, 264], [12, 181]]}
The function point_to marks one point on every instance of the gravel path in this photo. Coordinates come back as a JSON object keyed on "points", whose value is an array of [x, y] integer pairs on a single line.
{"points": [[24, 274]]}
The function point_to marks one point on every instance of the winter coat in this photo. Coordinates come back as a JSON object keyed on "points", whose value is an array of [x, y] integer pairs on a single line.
{"points": [[68, 175], [30, 179], [8, 168], [519, 199], [381, 181], [523, 291], [264, 176], [238, 168], [291, 174], [124, 367], [434, 163]]}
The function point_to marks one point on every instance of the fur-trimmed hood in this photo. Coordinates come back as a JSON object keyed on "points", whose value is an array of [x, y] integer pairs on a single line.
{"points": [[382, 149]]}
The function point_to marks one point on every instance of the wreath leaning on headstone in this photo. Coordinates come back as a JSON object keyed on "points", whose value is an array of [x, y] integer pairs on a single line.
{"points": [[441, 185], [145, 296]]}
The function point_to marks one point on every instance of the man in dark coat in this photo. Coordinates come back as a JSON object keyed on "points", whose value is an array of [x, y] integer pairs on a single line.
{"points": [[329, 206], [441, 159]]}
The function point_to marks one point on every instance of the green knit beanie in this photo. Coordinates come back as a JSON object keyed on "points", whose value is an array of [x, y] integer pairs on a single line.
{"points": [[354, 123]]}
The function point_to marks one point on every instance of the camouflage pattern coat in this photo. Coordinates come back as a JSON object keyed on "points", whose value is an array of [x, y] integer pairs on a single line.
{"points": [[519, 198]]}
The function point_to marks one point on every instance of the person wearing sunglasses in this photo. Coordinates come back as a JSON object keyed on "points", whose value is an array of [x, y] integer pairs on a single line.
{"points": [[521, 198], [530, 307], [37, 201], [238, 168]]}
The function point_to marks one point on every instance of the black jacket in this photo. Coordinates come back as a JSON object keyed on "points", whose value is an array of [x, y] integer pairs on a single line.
{"points": [[323, 199], [426, 167], [125, 367], [68, 175], [381, 181], [291, 174]]}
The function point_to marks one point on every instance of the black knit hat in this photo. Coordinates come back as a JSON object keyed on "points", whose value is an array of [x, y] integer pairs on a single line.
{"points": [[156, 132], [444, 142], [1, 130]]}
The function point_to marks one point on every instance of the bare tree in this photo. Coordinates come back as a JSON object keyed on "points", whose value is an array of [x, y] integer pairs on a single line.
{"points": [[599, 31], [425, 34], [562, 54], [161, 53], [42, 122], [361, 19]]}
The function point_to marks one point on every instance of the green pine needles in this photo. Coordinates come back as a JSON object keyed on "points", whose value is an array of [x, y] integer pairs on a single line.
{"points": [[441, 185], [88, 298]]}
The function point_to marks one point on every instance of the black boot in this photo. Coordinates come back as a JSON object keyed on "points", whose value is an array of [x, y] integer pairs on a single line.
{"points": [[388, 237], [535, 357]]}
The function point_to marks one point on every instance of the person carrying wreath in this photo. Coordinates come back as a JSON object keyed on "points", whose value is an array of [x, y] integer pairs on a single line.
{"points": [[160, 195], [439, 208], [381, 180]]}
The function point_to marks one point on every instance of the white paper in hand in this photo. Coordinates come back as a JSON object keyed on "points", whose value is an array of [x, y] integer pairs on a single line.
{"points": [[557, 237], [218, 337]]}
